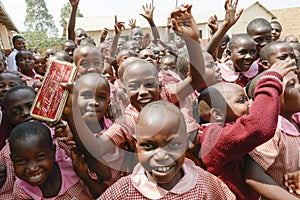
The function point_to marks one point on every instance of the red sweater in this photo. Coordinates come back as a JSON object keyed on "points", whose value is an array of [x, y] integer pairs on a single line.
{"points": [[223, 149]]}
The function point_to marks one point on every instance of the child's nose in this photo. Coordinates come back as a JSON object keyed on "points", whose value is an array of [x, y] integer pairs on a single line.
{"points": [[31, 166], [161, 154], [143, 90]]}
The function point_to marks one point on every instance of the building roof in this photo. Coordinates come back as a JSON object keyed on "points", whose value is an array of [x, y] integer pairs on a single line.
{"points": [[6, 20]]}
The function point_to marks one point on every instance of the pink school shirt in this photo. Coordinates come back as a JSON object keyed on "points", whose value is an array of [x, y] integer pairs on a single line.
{"points": [[195, 184], [280, 155], [29, 80], [71, 186]]}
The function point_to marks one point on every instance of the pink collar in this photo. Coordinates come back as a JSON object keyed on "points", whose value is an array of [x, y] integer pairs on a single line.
{"points": [[106, 124], [69, 177], [229, 75], [151, 190], [287, 127]]}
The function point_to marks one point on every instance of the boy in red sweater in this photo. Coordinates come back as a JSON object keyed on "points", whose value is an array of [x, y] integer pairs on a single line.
{"points": [[236, 129]]}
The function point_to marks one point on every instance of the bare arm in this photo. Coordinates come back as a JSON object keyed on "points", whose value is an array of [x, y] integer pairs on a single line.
{"points": [[256, 177], [72, 19], [118, 30], [185, 26], [149, 17], [231, 18], [84, 138]]}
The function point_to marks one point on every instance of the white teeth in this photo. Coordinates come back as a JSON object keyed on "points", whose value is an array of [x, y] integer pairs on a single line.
{"points": [[163, 169], [35, 177], [144, 101]]}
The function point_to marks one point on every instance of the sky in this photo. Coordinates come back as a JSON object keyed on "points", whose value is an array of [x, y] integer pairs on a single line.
{"points": [[16, 9]]}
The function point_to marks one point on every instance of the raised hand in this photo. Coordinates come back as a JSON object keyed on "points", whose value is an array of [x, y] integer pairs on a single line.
{"points": [[231, 15], [132, 23], [148, 11], [283, 67], [213, 24], [79, 164], [74, 2], [184, 23], [103, 35], [118, 26]]}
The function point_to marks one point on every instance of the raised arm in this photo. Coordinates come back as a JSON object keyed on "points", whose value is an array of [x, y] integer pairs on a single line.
{"points": [[148, 15], [185, 26], [231, 18], [256, 177], [72, 19], [118, 30], [84, 138]]}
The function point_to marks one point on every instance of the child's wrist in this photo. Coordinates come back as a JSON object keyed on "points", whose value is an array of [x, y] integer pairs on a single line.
{"points": [[273, 74]]}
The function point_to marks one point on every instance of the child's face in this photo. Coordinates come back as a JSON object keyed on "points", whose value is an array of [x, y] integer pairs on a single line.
{"points": [[40, 65], [148, 55], [290, 97], [237, 101], [243, 54], [137, 34], [161, 145], [32, 159], [80, 35], [141, 83], [168, 64], [20, 44], [18, 106], [212, 71], [2, 66], [25, 62], [93, 98], [69, 47], [276, 31], [281, 52], [8, 81], [262, 36], [89, 61]]}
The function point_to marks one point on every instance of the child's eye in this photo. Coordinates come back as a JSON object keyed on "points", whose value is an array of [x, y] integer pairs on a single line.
{"points": [[19, 161], [40, 157], [242, 100], [147, 146], [174, 145], [149, 85], [15, 111], [102, 97], [253, 52], [133, 86]]}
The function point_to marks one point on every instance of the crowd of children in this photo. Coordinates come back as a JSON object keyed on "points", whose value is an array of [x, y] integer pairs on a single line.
{"points": [[153, 119]]}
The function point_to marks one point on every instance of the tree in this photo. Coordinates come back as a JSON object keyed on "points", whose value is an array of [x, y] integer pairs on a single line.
{"points": [[65, 13], [38, 18]]}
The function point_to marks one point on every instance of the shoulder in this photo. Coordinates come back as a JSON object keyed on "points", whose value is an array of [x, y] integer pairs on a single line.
{"points": [[118, 190]]}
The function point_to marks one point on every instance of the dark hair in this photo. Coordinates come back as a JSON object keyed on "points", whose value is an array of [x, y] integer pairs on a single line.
{"points": [[235, 40], [69, 41], [16, 37], [276, 22], [267, 50], [258, 22], [21, 52], [13, 90], [28, 130]]}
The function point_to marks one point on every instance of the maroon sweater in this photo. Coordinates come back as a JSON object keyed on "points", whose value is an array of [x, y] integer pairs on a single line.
{"points": [[224, 149]]}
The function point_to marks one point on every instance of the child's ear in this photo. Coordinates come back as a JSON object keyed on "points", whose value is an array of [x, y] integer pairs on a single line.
{"points": [[217, 114], [266, 64]]}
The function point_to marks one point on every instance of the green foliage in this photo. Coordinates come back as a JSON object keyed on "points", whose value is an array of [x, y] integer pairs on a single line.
{"points": [[65, 13], [41, 40], [38, 18]]}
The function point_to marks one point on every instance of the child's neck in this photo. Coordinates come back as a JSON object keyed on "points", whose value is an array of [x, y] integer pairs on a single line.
{"points": [[96, 127], [51, 186], [28, 73]]}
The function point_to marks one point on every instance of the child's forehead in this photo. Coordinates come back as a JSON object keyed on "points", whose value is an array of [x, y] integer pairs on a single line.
{"points": [[35, 143]]}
